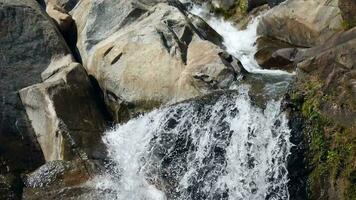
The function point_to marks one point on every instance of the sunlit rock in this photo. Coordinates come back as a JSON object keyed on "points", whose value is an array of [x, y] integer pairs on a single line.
{"points": [[150, 54], [65, 116], [302, 23]]}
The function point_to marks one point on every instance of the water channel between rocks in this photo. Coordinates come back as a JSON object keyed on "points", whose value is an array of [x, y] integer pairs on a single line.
{"points": [[222, 146]]}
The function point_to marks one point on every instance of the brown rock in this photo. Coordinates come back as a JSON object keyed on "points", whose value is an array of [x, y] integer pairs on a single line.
{"points": [[59, 13], [66, 118], [326, 82], [348, 10], [274, 54], [302, 23]]}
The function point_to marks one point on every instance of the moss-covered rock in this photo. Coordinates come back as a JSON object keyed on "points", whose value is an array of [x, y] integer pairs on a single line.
{"points": [[325, 90], [348, 10]]}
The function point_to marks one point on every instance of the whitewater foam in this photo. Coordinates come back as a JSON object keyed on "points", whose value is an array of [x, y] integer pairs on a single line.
{"points": [[222, 148]]}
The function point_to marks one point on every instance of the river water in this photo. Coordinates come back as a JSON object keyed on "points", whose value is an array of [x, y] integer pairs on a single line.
{"points": [[222, 146]]}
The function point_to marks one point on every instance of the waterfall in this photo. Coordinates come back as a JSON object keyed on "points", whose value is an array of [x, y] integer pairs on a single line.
{"points": [[221, 146]]}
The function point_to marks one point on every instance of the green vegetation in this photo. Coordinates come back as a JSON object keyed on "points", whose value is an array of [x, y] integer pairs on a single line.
{"points": [[238, 11], [331, 153], [347, 24]]}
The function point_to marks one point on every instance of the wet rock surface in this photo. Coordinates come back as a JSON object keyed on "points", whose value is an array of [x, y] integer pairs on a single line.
{"points": [[62, 180]]}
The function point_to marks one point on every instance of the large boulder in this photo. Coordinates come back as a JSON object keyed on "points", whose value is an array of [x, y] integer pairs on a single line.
{"points": [[302, 23], [65, 116], [29, 42], [325, 94], [150, 54]]}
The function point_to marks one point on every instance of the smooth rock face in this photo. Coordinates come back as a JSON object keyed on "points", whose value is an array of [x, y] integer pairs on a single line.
{"points": [[302, 23], [28, 42], [65, 116], [150, 54], [272, 54]]}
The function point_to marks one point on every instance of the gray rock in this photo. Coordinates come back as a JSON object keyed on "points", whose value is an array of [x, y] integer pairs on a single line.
{"points": [[28, 42]]}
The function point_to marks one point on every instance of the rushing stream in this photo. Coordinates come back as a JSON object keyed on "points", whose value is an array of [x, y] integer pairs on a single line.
{"points": [[221, 146]]}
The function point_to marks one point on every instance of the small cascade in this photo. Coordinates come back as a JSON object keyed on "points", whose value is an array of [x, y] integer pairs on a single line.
{"points": [[222, 146]]}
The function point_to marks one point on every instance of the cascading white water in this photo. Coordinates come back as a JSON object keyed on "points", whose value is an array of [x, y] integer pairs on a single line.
{"points": [[218, 147], [240, 43]]}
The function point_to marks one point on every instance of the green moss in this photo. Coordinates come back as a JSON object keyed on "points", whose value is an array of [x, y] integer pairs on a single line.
{"points": [[243, 5], [348, 24], [331, 153], [222, 12], [351, 190], [238, 11]]}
